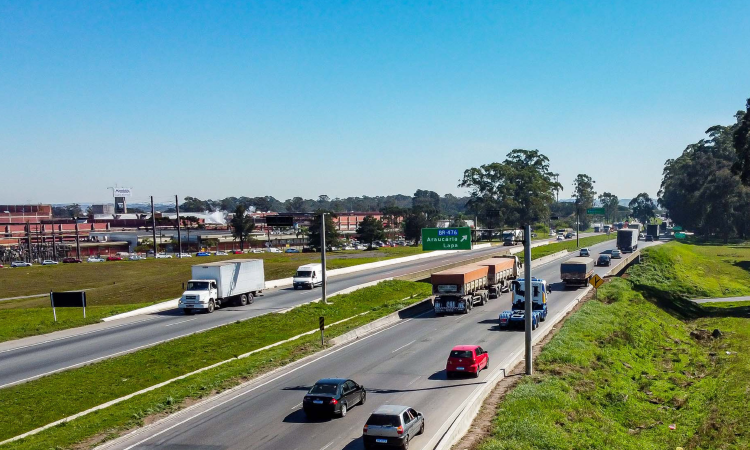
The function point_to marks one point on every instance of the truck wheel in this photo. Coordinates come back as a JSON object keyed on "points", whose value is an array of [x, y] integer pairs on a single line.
{"points": [[250, 298], [211, 306], [242, 300]]}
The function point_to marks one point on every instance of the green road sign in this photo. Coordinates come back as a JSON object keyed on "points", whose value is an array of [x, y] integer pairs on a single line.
{"points": [[446, 238], [676, 228], [679, 235], [599, 211]]}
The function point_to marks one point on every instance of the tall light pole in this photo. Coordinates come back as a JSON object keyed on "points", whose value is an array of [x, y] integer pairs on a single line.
{"points": [[323, 255], [179, 234], [527, 296]]}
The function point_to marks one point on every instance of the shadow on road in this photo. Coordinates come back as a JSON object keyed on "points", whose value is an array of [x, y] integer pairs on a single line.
{"points": [[355, 444], [299, 416], [296, 388]]}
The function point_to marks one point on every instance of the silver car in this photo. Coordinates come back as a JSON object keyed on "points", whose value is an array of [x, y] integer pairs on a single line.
{"points": [[392, 426]]}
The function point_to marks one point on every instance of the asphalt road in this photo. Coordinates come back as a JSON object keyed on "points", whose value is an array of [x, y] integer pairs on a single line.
{"points": [[27, 359], [403, 364]]}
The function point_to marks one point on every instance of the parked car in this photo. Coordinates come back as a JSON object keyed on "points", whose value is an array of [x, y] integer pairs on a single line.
{"points": [[604, 260], [236, 252], [616, 254], [203, 254], [392, 426], [584, 252], [163, 256], [273, 250], [114, 258], [70, 260], [331, 396], [184, 255], [219, 253], [49, 262], [466, 359], [257, 250], [136, 258], [94, 259], [20, 264], [291, 250]]}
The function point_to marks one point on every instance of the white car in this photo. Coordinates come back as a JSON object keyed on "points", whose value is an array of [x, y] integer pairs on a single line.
{"points": [[185, 255], [49, 262], [257, 250], [20, 264], [135, 258], [221, 253], [274, 250], [94, 259], [163, 256], [560, 238]]}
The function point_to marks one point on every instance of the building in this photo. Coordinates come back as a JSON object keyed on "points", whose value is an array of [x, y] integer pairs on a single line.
{"points": [[103, 209], [21, 214]]}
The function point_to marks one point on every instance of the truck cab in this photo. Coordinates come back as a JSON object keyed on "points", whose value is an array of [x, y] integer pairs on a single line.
{"points": [[308, 276], [517, 314], [199, 295]]}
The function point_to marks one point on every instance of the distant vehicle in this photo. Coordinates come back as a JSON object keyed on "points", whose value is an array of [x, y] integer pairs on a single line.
{"points": [[136, 258], [70, 260], [236, 252], [469, 359], [184, 255], [584, 252], [203, 254], [569, 236], [94, 259], [517, 314], [333, 396], [20, 264], [215, 285], [502, 270], [577, 271], [273, 250], [511, 237], [349, 247], [392, 426], [257, 250], [560, 237], [49, 262], [649, 238], [616, 254], [641, 236], [291, 250], [604, 260], [606, 228], [627, 239], [308, 276], [459, 289], [114, 258], [652, 230], [220, 253], [163, 256]]}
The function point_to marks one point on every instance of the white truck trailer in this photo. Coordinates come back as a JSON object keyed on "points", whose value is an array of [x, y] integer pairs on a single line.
{"points": [[213, 285]]}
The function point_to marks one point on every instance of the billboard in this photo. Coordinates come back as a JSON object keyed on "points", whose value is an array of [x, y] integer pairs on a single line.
{"points": [[280, 221], [122, 192], [446, 238]]}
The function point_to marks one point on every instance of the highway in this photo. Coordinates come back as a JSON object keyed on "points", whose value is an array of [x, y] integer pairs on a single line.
{"points": [[402, 364], [29, 358]]}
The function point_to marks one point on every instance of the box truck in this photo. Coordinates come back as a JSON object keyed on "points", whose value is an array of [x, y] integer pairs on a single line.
{"points": [[577, 270], [218, 284], [459, 289], [308, 276], [627, 239]]}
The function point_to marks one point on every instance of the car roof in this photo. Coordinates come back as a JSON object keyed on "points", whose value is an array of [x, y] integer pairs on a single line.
{"points": [[391, 409], [331, 380], [465, 347]]}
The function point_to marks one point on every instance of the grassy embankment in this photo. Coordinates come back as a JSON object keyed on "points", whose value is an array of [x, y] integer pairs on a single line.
{"points": [[625, 370], [116, 287], [38, 402]]}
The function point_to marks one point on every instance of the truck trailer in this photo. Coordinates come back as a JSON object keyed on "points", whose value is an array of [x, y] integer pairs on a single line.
{"points": [[511, 237], [219, 284], [577, 271], [459, 289], [502, 270], [627, 239], [516, 316], [652, 230]]}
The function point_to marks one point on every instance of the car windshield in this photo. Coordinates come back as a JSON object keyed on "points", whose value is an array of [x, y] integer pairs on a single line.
{"points": [[324, 389], [304, 273], [197, 286], [383, 420], [461, 354], [615, 252]]}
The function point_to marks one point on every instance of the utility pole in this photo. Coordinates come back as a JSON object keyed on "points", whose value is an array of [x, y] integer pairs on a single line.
{"points": [[28, 239], [323, 254], [153, 226], [78, 241], [54, 244], [527, 297], [179, 235], [578, 229]]}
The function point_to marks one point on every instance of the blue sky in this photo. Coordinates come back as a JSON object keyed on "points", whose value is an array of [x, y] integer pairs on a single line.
{"points": [[213, 99]]}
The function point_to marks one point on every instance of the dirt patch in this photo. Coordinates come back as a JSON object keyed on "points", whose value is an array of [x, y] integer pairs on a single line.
{"points": [[481, 427]]}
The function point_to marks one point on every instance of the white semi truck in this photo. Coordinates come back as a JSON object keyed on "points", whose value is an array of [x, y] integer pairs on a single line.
{"points": [[213, 285]]}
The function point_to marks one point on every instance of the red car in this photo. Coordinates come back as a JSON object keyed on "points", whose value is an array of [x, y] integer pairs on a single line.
{"points": [[70, 260], [114, 258], [467, 359], [237, 252]]}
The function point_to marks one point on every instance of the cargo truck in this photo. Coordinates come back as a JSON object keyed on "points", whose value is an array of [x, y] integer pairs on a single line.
{"points": [[511, 237], [516, 316], [577, 271], [652, 230], [459, 289], [218, 284], [627, 239], [502, 270]]}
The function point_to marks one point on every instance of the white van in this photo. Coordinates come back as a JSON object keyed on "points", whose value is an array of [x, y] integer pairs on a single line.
{"points": [[308, 276]]}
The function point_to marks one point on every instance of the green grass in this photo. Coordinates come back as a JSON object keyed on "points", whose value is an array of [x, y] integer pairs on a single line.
{"points": [[568, 244], [625, 367], [39, 402]]}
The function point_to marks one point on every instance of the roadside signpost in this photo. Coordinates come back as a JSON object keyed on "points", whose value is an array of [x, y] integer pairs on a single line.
{"points": [[596, 281], [594, 211], [456, 238], [322, 322], [74, 299]]}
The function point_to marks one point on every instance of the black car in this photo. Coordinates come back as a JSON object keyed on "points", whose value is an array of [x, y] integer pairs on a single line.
{"points": [[649, 238], [604, 260], [333, 396]]}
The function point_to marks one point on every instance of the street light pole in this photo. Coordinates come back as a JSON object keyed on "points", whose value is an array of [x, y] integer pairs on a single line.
{"points": [[179, 234], [527, 296], [323, 255]]}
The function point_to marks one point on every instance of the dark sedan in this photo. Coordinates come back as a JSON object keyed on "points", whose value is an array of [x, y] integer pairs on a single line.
{"points": [[70, 260], [604, 260], [333, 396]]}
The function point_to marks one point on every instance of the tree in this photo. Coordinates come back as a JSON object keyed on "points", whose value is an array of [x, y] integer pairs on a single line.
{"points": [[741, 141], [459, 220], [584, 194], [333, 239], [644, 209], [370, 230], [609, 202], [413, 224], [145, 246], [521, 188], [426, 200], [74, 210], [241, 225], [295, 205], [193, 204]]}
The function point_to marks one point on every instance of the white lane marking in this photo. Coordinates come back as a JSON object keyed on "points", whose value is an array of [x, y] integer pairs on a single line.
{"points": [[77, 335], [182, 321], [241, 394], [328, 445], [404, 346], [297, 406]]}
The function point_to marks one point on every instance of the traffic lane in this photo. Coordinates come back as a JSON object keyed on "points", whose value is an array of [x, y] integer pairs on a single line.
{"points": [[413, 375]]}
